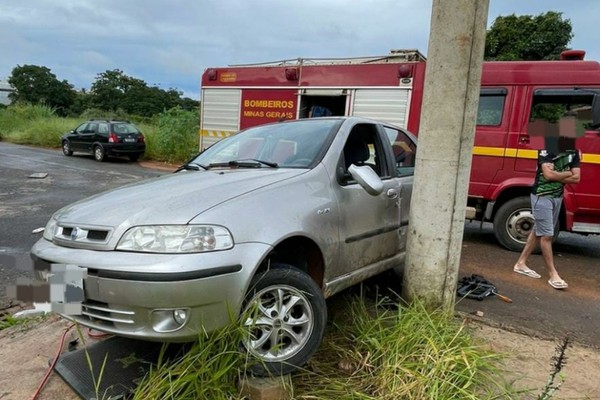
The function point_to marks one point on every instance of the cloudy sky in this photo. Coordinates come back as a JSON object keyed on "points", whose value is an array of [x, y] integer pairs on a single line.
{"points": [[169, 43]]}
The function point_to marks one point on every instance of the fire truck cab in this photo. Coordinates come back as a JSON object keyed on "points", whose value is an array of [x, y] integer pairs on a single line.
{"points": [[524, 106]]}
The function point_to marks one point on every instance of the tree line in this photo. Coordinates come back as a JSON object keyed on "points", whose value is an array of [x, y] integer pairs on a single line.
{"points": [[512, 37], [111, 91]]}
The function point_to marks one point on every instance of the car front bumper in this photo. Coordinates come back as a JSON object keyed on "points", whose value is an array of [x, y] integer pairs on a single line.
{"points": [[136, 294]]}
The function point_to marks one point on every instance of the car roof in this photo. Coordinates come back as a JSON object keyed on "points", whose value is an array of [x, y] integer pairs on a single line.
{"points": [[112, 121]]}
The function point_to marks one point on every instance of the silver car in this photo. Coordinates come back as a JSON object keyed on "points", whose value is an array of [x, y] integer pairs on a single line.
{"points": [[276, 218]]}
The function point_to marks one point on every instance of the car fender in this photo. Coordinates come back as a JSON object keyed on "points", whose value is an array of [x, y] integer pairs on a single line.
{"points": [[299, 206]]}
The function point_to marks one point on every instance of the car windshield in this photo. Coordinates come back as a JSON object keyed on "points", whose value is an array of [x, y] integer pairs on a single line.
{"points": [[294, 144], [123, 127]]}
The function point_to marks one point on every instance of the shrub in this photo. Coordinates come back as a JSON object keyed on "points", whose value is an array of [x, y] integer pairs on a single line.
{"points": [[175, 138]]}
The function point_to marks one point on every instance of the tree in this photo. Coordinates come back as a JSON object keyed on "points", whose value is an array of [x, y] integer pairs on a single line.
{"points": [[111, 87], [189, 104], [38, 85], [528, 37], [113, 90]]}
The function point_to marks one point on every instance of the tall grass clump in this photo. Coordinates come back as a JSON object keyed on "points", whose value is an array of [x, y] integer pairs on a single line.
{"points": [[31, 124], [17, 115], [175, 138], [404, 353], [208, 370]]}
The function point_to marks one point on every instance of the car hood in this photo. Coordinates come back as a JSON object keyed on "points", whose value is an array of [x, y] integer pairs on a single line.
{"points": [[171, 199]]}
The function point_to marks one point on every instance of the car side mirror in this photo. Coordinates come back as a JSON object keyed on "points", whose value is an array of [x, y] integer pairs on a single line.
{"points": [[367, 179]]}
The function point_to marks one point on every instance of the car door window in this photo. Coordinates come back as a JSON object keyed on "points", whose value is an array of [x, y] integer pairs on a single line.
{"points": [[363, 147], [81, 128], [405, 151], [103, 129], [92, 127]]}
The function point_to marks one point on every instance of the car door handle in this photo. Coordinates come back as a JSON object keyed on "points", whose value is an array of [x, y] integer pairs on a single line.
{"points": [[392, 194], [524, 139]]}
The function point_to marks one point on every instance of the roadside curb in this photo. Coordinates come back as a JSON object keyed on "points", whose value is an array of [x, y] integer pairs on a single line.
{"points": [[515, 329], [162, 166]]}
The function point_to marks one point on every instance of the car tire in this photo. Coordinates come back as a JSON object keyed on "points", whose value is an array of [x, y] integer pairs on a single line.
{"points": [[66, 148], [513, 222], [99, 153], [287, 337], [133, 157]]}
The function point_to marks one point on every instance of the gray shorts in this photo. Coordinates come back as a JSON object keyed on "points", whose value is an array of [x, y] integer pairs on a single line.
{"points": [[545, 213]]}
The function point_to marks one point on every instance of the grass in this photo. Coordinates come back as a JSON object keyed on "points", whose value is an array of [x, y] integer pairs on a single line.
{"points": [[172, 136], [8, 321], [381, 352], [370, 352], [208, 370], [33, 125]]}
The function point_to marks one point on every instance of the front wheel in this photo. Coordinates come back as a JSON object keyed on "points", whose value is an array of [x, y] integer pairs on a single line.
{"points": [[285, 313], [513, 222], [66, 148]]}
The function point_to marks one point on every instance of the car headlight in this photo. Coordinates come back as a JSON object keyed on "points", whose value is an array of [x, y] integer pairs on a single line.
{"points": [[176, 239], [49, 229]]}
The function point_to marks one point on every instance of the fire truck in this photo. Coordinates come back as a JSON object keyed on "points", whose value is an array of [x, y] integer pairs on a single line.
{"points": [[524, 106]]}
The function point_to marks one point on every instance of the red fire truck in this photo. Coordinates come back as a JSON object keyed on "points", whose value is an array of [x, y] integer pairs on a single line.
{"points": [[524, 106]]}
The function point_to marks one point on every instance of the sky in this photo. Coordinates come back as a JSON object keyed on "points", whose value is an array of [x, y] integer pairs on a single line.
{"points": [[169, 43]]}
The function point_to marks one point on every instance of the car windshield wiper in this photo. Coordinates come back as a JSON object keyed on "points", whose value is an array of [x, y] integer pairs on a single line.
{"points": [[191, 166], [251, 163]]}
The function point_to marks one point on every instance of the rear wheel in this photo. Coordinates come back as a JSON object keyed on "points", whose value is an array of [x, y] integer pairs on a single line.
{"points": [[66, 148], [285, 313], [99, 153], [134, 157]]}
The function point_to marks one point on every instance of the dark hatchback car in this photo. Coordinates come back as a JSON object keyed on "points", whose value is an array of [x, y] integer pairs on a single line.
{"points": [[104, 138]]}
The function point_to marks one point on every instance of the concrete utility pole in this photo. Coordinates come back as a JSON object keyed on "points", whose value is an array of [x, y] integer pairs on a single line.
{"points": [[443, 165]]}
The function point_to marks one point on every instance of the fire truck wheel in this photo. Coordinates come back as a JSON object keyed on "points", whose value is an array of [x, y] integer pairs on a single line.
{"points": [[285, 313], [513, 222]]}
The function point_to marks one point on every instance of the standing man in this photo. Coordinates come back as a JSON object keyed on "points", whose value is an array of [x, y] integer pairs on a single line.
{"points": [[553, 172]]}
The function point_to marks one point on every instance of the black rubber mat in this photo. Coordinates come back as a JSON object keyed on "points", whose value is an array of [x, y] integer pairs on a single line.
{"points": [[127, 361]]}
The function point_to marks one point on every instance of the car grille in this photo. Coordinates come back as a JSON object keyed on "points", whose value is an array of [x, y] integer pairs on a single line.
{"points": [[101, 313], [82, 236], [76, 233]]}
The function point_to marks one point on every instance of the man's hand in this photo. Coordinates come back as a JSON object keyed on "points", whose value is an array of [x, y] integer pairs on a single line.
{"points": [[575, 176]]}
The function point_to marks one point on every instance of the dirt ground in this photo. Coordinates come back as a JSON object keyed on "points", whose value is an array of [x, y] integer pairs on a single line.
{"points": [[25, 352]]}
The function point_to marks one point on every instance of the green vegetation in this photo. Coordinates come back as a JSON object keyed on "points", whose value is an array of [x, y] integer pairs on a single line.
{"points": [[171, 136], [370, 352], [8, 321], [111, 91], [528, 37], [383, 352], [39, 85], [209, 370], [176, 137], [36, 125]]}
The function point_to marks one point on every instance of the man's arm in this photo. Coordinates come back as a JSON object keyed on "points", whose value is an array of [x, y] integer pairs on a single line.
{"points": [[551, 175], [575, 176]]}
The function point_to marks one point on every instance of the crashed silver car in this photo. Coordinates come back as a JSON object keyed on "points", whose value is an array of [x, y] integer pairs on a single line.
{"points": [[277, 217]]}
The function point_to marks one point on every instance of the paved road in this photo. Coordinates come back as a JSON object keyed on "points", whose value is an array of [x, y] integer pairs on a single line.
{"points": [[536, 306], [27, 203]]}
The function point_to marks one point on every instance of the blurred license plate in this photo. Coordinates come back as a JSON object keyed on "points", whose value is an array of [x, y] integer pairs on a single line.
{"points": [[129, 140]]}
